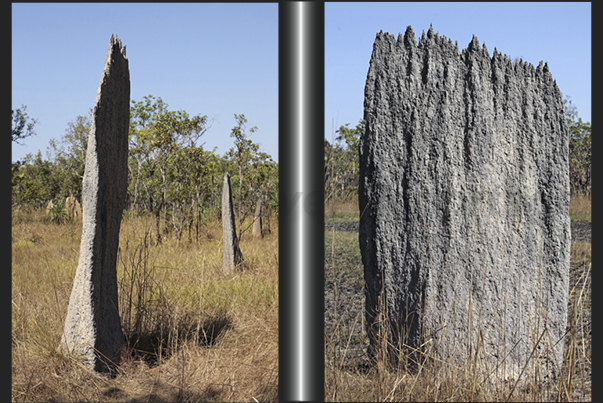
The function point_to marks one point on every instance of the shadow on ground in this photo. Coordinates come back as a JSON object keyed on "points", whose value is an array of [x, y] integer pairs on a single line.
{"points": [[161, 340]]}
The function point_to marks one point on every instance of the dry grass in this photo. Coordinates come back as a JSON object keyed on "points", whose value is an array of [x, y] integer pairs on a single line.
{"points": [[338, 210], [348, 378], [580, 208], [347, 209], [194, 333]]}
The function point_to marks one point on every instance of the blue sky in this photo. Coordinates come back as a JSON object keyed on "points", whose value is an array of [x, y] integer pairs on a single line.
{"points": [[221, 59], [209, 59], [559, 33]]}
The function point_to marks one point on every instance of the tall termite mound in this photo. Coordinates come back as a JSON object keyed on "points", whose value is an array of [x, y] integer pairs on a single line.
{"points": [[464, 195], [92, 326], [233, 258]]}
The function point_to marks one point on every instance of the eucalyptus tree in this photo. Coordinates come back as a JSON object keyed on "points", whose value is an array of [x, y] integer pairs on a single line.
{"points": [[69, 155], [22, 125], [34, 181], [193, 171], [142, 116], [580, 155], [264, 180], [350, 140], [341, 162], [256, 171], [156, 137], [241, 155]]}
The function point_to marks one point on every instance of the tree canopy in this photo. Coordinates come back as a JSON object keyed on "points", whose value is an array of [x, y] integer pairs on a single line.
{"points": [[22, 125], [341, 162], [580, 143], [171, 176]]}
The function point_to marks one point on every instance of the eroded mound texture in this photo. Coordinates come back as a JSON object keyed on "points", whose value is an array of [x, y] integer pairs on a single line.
{"points": [[464, 185], [92, 326]]}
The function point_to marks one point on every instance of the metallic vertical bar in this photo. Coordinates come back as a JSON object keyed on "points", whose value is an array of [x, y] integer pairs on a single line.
{"points": [[301, 193]]}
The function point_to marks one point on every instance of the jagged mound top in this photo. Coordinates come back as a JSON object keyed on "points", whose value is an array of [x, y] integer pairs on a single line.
{"points": [[116, 46], [432, 40]]}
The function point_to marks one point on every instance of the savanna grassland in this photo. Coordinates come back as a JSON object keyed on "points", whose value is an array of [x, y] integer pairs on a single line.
{"points": [[193, 333], [349, 376]]}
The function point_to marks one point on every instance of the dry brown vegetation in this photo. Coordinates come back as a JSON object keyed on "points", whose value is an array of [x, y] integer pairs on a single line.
{"points": [[580, 208], [194, 333], [342, 210], [350, 377]]}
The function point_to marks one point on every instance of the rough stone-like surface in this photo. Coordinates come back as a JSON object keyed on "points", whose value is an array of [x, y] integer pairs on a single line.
{"points": [[464, 186], [233, 258], [92, 327], [49, 207], [256, 231], [73, 207]]}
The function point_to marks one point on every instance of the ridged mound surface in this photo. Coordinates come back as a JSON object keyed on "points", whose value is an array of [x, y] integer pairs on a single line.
{"points": [[464, 186], [92, 326]]}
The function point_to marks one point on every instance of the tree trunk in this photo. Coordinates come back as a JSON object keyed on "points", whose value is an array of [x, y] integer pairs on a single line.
{"points": [[212, 202], [257, 219], [165, 226], [176, 230], [157, 225], [135, 202], [240, 200], [164, 200], [197, 214]]}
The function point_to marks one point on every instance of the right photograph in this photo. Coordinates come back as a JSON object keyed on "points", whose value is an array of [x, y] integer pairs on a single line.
{"points": [[457, 201]]}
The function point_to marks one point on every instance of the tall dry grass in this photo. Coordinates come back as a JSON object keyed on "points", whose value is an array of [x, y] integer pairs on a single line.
{"points": [[338, 210], [421, 375], [193, 333], [580, 208]]}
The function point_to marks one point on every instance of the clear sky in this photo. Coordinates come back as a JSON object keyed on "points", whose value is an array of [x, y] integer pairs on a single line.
{"points": [[221, 59], [209, 59], [558, 33]]}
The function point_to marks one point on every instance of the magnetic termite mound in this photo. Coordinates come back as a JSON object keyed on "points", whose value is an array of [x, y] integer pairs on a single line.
{"points": [[464, 194], [233, 258], [92, 326]]}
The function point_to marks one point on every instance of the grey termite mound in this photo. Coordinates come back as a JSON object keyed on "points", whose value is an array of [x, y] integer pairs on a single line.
{"points": [[464, 195]]}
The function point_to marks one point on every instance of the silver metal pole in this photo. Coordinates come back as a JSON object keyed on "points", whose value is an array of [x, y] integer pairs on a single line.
{"points": [[301, 193]]}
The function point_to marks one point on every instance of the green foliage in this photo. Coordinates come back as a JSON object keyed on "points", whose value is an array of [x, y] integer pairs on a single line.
{"points": [[69, 155], [34, 181], [254, 171], [341, 162], [170, 176], [580, 143], [58, 214], [163, 158], [22, 125]]}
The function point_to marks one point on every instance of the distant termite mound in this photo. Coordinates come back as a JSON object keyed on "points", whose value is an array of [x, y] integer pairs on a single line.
{"points": [[233, 258]]}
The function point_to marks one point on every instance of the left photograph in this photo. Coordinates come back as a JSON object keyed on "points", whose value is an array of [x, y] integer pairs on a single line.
{"points": [[145, 209]]}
